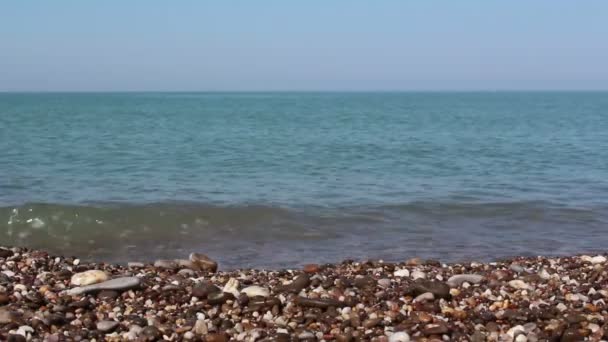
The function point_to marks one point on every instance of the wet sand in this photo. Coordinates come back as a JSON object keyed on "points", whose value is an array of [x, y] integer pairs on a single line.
{"points": [[52, 298]]}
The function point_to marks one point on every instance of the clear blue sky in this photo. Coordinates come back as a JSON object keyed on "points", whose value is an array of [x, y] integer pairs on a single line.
{"points": [[303, 45]]}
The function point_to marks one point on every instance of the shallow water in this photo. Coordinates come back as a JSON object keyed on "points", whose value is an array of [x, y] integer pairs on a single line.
{"points": [[280, 179]]}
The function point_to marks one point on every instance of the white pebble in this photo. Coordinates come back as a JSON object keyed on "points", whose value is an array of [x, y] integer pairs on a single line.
{"points": [[88, 278], [418, 275], [515, 330], [232, 286], [402, 273], [253, 291], [399, 337], [519, 284]]}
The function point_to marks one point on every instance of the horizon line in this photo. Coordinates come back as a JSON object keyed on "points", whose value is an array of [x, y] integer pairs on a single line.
{"points": [[472, 90]]}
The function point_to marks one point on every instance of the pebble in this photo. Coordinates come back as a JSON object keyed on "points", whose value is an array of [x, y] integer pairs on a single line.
{"points": [[384, 283], [322, 303], [232, 287], [519, 284], [88, 278], [167, 264], [203, 289], [399, 337], [106, 326], [437, 288], [459, 279], [123, 283], [402, 273], [150, 333], [200, 327], [418, 275], [427, 296], [6, 316], [311, 268], [600, 259], [253, 291], [203, 263], [298, 284], [135, 264]]}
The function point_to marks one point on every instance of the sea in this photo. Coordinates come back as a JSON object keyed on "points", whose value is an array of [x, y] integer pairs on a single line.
{"points": [[281, 179]]}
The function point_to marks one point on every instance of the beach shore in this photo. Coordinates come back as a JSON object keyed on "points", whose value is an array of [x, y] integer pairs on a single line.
{"points": [[53, 298]]}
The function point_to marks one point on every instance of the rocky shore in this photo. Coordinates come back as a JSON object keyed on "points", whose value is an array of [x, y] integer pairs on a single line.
{"points": [[51, 298]]}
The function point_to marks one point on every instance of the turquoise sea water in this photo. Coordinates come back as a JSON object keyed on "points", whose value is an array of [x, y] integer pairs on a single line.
{"points": [[277, 179]]}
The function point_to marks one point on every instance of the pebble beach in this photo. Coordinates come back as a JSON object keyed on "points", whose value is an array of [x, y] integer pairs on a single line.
{"points": [[52, 298]]}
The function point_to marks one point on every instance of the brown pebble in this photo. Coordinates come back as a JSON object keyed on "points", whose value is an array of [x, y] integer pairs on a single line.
{"points": [[216, 338], [301, 282], [372, 322], [311, 268], [4, 299], [322, 303], [438, 328], [203, 289], [203, 262]]}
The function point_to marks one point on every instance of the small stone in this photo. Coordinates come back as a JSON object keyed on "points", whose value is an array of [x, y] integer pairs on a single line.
{"points": [[517, 268], [254, 291], [4, 299], [200, 327], [515, 330], [16, 338], [478, 336], [7, 316], [166, 264], [107, 295], [384, 283], [311, 268], [188, 335], [135, 264], [203, 289], [401, 273], [123, 283], [459, 279], [600, 259], [427, 296], [439, 328], [322, 303], [301, 282], [572, 335], [232, 287], [203, 262], [413, 262], [6, 253], [150, 333], [134, 331], [370, 323], [418, 275], [106, 326], [437, 288], [88, 278], [24, 330], [521, 338], [216, 338], [399, 337], [519, 284]]}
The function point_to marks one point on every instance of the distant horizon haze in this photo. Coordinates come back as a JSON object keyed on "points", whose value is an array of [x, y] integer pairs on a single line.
{"points": [[474, 45]]}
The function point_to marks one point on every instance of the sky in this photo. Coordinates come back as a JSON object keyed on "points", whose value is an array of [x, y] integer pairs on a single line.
{"points": [[334, 45]]}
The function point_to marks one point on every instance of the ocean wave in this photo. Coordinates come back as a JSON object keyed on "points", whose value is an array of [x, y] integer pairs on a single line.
{"points": [[114, 231]]}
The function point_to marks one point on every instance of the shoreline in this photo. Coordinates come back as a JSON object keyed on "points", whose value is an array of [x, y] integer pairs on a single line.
{"points": [[49, 298]]}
